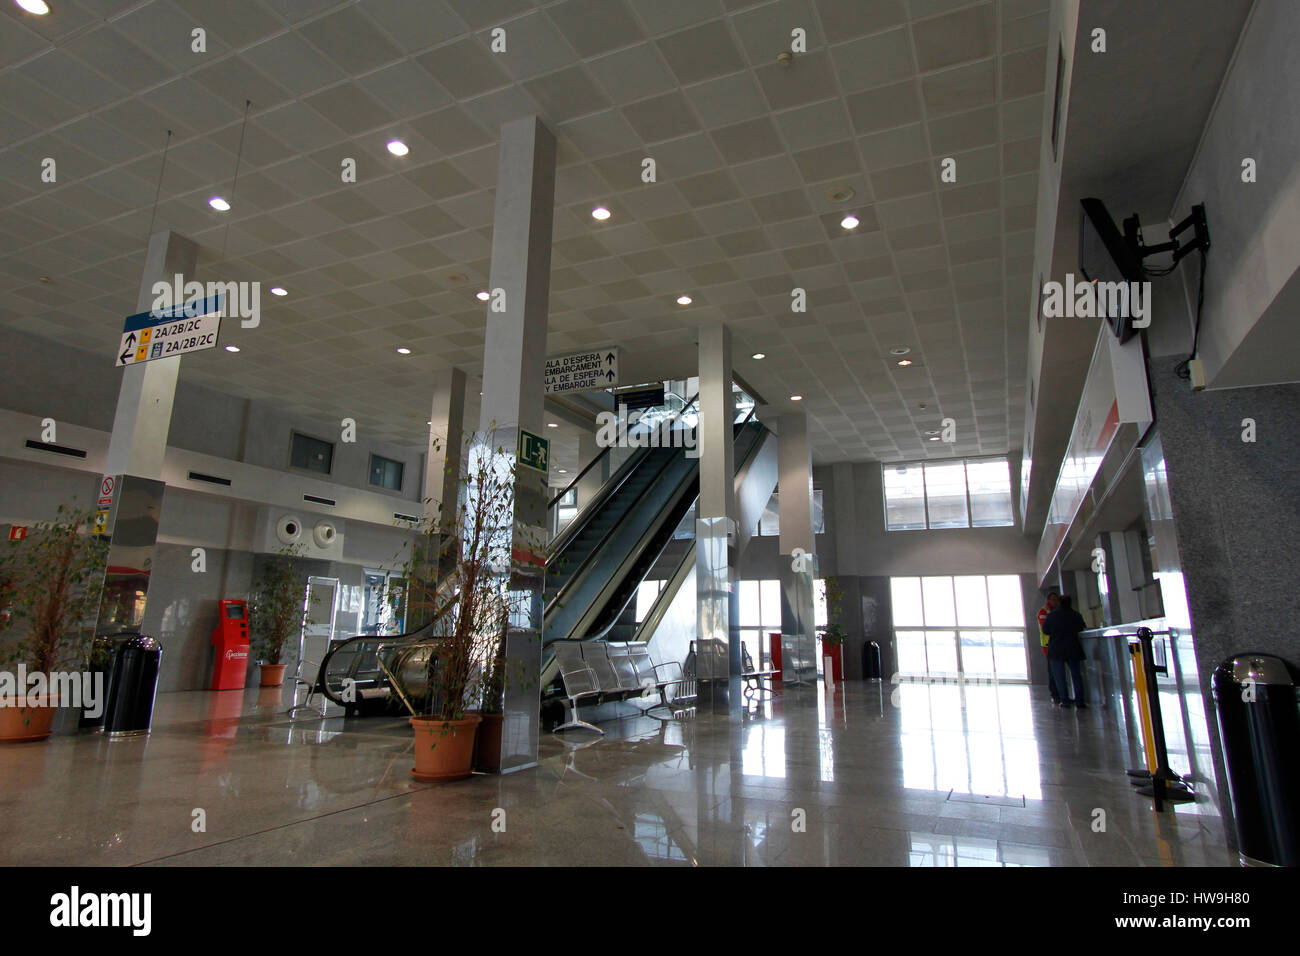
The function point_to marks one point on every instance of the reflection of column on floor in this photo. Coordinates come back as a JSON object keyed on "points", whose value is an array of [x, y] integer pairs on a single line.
{"points": [[798, 558], [514, 351], [718, 632]]}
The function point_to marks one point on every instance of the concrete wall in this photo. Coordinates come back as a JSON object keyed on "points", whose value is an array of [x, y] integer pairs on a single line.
{"points": [[1248, 328]]}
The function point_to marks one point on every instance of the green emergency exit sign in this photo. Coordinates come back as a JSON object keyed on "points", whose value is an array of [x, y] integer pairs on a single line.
{"points": [[534, 451]]}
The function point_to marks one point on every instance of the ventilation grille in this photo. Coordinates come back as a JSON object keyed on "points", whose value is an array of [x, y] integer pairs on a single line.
{"points": [[57, 449], [315, 499], [210, 479], [401, 517]]}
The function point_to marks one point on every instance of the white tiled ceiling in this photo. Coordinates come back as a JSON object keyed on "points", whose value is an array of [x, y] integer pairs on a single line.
{"points": [[747, 151]]}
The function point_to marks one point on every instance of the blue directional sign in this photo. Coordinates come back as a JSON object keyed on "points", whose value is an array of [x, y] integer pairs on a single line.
{"points": [[191, 327]]}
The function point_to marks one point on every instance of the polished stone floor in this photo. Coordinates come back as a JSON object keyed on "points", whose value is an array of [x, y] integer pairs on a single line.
{"points": [[928, 775]]}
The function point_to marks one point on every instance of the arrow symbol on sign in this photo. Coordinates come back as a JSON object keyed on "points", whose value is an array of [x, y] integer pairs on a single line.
{"points": [[123, 357], [609, 359], [610, 375], [130, 339]]}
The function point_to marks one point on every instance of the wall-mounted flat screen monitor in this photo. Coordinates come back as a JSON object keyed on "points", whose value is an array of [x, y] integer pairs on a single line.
{"points": [[1106, 256]]}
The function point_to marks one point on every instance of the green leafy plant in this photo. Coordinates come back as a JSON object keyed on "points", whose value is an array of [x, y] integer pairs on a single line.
{"points": [[833, 633], [278, 607], [459, 571], [50, 585]]}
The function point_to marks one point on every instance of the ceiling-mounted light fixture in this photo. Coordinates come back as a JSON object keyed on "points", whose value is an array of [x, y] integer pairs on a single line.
{"points": [[684, 300], [904, 363], [219, 204], [796, 398], [759, 356], [232, 348], [398, 148], [277, 290], [38, 7], [601, 213], [483, 295], [403, 351], [850, 221], [899, 350]]}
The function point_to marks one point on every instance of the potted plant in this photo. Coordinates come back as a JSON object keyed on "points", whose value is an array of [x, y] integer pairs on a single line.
{"points": [[467, 607], [833, 634], [487, 743], [49, 594], [277, 610]]}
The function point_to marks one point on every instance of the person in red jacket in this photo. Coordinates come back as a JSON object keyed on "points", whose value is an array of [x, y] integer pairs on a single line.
{"points": [[1053, 602]]}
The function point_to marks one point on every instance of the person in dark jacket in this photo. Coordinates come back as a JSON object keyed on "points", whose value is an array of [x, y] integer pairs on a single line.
{"points": [[1064, 649]]}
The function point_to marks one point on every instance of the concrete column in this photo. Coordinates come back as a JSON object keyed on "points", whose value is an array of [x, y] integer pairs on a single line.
{"points": [[798, 551], [144, 401], [443, 464], [718, 634], [514, 354], [131, 493]]}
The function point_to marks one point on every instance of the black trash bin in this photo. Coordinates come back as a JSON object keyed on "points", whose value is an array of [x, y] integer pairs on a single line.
{"points": [[1259, 725], [871, 661], [131, 686]]}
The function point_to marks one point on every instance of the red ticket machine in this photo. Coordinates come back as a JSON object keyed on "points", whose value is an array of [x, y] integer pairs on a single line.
{"points": [[230, 638]]}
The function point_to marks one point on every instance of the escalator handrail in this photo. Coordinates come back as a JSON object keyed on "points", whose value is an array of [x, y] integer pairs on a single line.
{"points": [[591, 464], [576, 575], [577, 572]]}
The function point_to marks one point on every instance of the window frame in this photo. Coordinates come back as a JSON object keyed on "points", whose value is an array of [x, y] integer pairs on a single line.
{"points": [[925, 491], [295, 433], [370, 473]]}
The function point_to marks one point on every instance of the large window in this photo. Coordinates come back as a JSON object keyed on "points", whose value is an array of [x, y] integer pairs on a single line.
{"points": [[971, 626], [386, 473], [960, 493]]}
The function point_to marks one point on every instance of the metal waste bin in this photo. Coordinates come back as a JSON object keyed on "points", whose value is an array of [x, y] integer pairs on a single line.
{"points": [[1259, 725], [871, 661], [131, 686]]}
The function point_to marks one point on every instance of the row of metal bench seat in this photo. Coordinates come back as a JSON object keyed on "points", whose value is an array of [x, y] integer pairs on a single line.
{"points": [[600, 671]]}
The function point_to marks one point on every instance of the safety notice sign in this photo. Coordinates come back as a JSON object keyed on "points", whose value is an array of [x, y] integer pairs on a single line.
{"points": [[582, 372]]}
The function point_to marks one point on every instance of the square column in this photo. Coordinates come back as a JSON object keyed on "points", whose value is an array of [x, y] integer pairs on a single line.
{"points": [[442, 471], [514, 354], [131, 493], [144, 401], [798, 551], [717, 647]]}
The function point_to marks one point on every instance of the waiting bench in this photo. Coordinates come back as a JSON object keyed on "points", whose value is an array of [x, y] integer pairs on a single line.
{"points": [[601, 671]]}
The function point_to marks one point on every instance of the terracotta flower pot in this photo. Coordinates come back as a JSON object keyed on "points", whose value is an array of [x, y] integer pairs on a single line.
{"points": [[19, 724], [273, 674], [444, 749], [487, 744]]}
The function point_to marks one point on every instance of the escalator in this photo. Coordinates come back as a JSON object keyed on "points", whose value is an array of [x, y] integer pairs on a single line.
{"points": [[598, 562]]}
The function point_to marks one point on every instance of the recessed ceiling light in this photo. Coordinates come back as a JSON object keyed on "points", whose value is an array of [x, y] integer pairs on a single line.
{"points": [[904, 363], [934, 438], [232, 348], [398, 148], [562, 471], [601, 213], [403, 351], [219, 204], [759, 355], [840, 193], [796, 398], [46, 279], [849, 222], [684, 300], [456, 277], [899, 350], [38, 7], [429, 423], [278, 290], [483, 296], [552, 425]]}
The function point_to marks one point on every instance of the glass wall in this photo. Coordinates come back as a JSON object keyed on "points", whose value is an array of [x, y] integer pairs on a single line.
{"points": [[970, 626]]}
